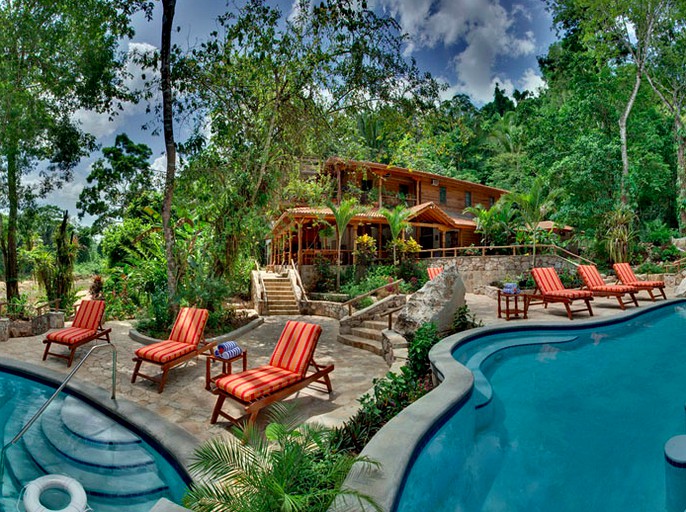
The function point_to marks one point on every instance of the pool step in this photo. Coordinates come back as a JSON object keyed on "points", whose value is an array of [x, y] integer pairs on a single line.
{"points": [[72, 438]]}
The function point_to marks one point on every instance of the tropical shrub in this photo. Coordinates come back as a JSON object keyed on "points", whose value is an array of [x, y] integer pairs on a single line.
{"points": [[657, 232], [418, 349], [465, 320], [650, 268], [288, 467]]}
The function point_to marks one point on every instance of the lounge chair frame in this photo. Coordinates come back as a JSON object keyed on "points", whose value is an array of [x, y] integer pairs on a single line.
{"points": [[648, 286], [605, 291], [99, 334], [551, 298], [161, 379], [319, 375]]}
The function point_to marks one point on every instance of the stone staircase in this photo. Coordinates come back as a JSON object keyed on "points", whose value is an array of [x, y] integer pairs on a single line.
{"points": [[281, 298], [366, 336]]}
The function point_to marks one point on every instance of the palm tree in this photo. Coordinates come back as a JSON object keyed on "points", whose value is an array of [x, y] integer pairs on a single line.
{"points": [[533, 206], [343, 214], [397, 222], [288, 467]]}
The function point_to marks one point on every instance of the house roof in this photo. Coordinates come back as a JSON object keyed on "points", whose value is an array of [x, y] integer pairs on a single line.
{"points": [[428, 213], [549, 225], [379, 168]]}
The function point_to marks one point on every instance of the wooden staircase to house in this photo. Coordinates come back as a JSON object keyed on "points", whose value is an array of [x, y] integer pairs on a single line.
{"points": [[281, 298], [367, 336]]}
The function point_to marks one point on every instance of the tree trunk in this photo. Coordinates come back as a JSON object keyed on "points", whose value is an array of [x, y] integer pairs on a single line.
{"points": [[168, 7], [11, 265], [680, 171], [622, 137]]}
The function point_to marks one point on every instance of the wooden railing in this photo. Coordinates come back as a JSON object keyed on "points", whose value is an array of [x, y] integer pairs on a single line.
{"points": [[676, 266], [299, 281], [389, 314], [486, 250], [372, 292]]}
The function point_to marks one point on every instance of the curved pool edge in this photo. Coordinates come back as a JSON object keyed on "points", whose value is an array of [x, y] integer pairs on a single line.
{"points": [[397, 444], [174, 442]]}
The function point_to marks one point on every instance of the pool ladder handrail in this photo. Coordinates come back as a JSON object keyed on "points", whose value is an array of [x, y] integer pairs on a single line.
{"points": [[52, 398]]}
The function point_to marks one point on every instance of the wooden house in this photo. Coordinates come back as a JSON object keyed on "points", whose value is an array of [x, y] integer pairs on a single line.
{"points": [[436, 204]]}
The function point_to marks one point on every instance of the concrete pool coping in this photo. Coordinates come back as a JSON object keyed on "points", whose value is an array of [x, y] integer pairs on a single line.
{"points": [[175, 443], [395, 447]]}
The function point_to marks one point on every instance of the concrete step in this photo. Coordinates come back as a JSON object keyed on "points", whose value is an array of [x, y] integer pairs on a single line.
{"points": [[378, 325], [362, 343], [280, 295], [370, 334], [283, 302]]}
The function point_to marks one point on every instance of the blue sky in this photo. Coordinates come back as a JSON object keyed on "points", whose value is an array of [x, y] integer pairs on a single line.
{"points": [[468, 44]]}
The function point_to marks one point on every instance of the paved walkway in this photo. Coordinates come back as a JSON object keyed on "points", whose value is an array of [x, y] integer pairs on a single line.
{"points": [[186, 403]]}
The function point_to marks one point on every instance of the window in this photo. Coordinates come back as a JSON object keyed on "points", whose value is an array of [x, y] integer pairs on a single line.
{"points": [[366, 185], [491, 201], [467, 199], [442, 195]]}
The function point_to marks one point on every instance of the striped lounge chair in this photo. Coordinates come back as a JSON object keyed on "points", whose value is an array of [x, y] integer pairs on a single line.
{"points": [[626, 276], [286, 373], [86, 327], [594, 282], [433, 272], [549, 289], [185, 342]]}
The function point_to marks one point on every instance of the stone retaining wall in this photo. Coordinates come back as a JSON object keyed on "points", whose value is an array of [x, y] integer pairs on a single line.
{"points": [[323, 308], [478, 271]]}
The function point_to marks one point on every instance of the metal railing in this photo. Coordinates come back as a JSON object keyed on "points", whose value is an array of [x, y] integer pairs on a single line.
{"points": [[372, 292], [40, 411]]}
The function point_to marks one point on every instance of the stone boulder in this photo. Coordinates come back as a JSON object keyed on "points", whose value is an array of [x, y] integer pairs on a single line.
{"points": [[435, 302], [21, 328], [681, 289]]}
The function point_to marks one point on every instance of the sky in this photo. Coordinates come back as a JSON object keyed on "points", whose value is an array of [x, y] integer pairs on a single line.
{"points": [[470, 45]]}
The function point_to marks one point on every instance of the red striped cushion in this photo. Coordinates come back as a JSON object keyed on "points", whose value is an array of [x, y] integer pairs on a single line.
{"points": [[614, 288], [625, 273], [189, 325], [71, 335], [590, 276], [295, 347], [569, 294], [164, 351], [256, 383], [433, 271], [547, 280], [644, 285], [89, 314]]}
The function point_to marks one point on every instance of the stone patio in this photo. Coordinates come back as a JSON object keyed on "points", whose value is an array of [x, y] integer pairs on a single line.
{"points": [[186, 403]]}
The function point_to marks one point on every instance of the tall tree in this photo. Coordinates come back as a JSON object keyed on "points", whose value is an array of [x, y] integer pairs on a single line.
{"points": [[116, 181], [666, 73], [168, 9], [58, 56]]}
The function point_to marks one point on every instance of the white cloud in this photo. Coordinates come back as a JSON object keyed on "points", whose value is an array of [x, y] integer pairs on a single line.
{"points": [[483, 29], [531, 81]]}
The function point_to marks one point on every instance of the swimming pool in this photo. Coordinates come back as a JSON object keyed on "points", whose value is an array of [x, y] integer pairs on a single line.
{"points": [[121, 468], [568, 419]]}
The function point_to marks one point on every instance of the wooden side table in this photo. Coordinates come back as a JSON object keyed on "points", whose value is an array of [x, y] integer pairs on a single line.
{"points": [[508, 304], [226, 366]]}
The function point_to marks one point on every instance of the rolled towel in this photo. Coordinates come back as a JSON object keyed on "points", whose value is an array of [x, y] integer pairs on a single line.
{"points": [[228, 350]]}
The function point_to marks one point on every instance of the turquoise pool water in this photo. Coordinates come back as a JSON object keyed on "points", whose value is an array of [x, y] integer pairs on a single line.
{"points": [[571, 426], [119, 470]]}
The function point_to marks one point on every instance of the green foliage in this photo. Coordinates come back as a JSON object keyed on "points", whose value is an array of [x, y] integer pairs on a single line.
{"points": [[390, 395], [618, 233], [650, 268], [18, 308], [288, 467], [657, 232], [425, 337], [325, 279], [465, 320]]}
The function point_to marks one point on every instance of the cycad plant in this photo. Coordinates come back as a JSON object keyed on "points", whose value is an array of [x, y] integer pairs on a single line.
{"points": [[619, 233], [289, 467], [397, 223], [343, 214], [534, 206]]}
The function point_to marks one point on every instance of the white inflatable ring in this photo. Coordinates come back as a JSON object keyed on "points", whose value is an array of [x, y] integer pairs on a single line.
{"points": [[35, 488]]}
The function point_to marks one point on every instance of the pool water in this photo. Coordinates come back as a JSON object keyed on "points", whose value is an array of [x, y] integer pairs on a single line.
{"points": [[119, 470], [577, 426]]}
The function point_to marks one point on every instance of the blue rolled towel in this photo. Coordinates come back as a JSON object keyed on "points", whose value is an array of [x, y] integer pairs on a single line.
{"points": [[228, 350]]}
